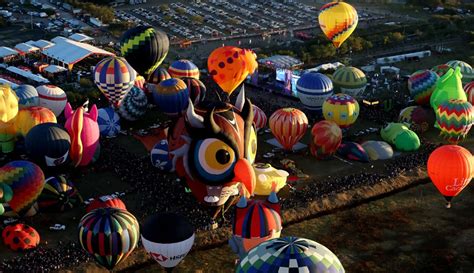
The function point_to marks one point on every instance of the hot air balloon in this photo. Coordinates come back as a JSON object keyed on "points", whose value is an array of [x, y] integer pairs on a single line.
{"points": [[197, 90], [448, 87], [421, 85], [84, 132], [401, 136], [109, 235], [6, 194], [255, 221], [326, 136], [134, 104], [227, 66], [441, 69], [144, 48], [8, 115], [251, 61], [266, 176], [466, 70], [352, 151], [160, 156], [377, 150], [183, 69], [290, 254], [106, 201], [454, 118], [26, 180], [288, 125], [52, 97], [48, 144], [160, 74], [337, 21], [342, 109], [109, 122], [59, 194], [29, 117], [167, 237], [349, 80], [114, 77], [140, 82], [172, 96], [27, 96], [313, 89], [259, 118], [419, 118], [450, 168], [20, 237], [469, 89]]}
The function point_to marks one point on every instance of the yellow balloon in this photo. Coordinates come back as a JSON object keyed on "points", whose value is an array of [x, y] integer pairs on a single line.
{"points": [[342, 109], [338, 20], [8, 104]]}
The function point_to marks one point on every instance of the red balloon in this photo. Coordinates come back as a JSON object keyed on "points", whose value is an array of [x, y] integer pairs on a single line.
{"points": [[288, 125], [326, 136], [106, 201], [450, 168]]}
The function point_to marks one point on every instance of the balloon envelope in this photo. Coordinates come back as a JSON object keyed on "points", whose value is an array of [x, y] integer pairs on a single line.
{"points": [[454, 118], [337, 21], [313, 89], [20, 237], [467, 71], [288, 125], [109, 122], [172, 96], [326, 136], [349, 80], [449, 86], [59, 194], [421, 85], [48, 144], [29, 117], [419, 118], [52, 97], [134, 104], [197, 90], [259, 118], [160, 74], [228, 68], [27, 96], [377, 150], [352, 151], [342, 109], [183, 69]]}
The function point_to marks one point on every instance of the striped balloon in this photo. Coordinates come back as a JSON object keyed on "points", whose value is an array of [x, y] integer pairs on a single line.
{"points": [[183, 69], [326, 136], [114, 77], [159, 75], [441, 69], [109, 235], [257, 219], [172, 96], [197, 90], [349, 80], [259, 118], [288, 125], [52, 97], [454, 118], [313, 89], [133, 105], [109, 122], [466, 70], [337, 21], [469, 89], [59, 194], [421, 85]]}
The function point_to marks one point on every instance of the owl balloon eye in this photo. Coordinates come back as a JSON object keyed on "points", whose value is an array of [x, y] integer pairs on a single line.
{"points": [[214, 160], [251, 146]]}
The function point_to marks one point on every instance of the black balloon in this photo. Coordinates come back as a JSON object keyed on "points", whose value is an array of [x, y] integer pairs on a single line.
{"points": [[48, 144]]}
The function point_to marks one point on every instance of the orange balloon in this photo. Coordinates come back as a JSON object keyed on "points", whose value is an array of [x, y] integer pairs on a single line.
{"points": [[228, 67], [251, 60], [450, 168], [288, 125]]}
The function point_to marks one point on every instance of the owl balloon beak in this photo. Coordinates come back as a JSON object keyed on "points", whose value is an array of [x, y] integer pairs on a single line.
{"points": [[244, 173]]}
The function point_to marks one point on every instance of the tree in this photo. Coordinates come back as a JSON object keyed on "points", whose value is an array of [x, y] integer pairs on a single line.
{"points": [[197, 19], [164, 7], [180, 10], [396, 37]]}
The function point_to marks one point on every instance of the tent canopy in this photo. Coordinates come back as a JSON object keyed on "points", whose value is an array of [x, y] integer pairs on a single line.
{"points": [[281, 61], [54, 69], [6, 51], [26, 48], [27, 74], [71, 52], [79, 37]]}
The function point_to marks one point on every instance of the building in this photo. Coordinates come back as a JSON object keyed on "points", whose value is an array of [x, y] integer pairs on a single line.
{"points": [[403, 57]]}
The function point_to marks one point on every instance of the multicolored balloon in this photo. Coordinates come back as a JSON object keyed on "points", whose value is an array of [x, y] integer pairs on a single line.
{"points": [[342, 109], [160, 74], [172, 96], [377, 150], [168, 238], [349, 80], [6, 194], [59, 194], [469, 89], [52, 97], [109, 122], [48, 144], [26, 180], [449, 86], [450, 168], [109, 235], [313, 89], [352, 151], [454, 118], [419, 118], [290, 254], [259, 118], [421, 85], [114, 77], [228, 68], [106, 201], [255, 221], [326, 136], [134, 104], [145, 48], [441, 69], [84, 132], [466, 70], [27, 96], [20, 237], [288, 125], [31, 116], [183, 69], [337, 21]]}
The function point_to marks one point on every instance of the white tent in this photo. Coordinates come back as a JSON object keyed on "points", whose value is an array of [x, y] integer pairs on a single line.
{"points": [[26, 48], [54, 69], [27, 74], [79, 37], [6, 52]]}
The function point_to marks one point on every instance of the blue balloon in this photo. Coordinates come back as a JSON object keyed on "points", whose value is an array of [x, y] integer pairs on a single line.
{"points": [[159, 156], [109, 122], [171, 96], [313, 89], [27, 96]]}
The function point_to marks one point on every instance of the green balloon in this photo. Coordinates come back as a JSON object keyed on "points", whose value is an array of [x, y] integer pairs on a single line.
{"points": [[449, 86], [2, 209], [399, 135], [6, 193]]}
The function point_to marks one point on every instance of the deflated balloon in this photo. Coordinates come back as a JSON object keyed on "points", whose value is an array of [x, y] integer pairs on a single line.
{"points": [[337, 21], [401, 136], [352, 151]]}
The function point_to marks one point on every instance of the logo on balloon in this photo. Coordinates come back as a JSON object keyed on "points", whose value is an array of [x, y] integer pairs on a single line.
{"points": [[458, 187], [158, 257]]}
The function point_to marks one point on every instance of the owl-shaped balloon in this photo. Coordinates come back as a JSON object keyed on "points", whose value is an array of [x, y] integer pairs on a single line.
{"points": [[213, 147]]}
